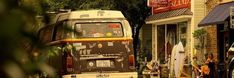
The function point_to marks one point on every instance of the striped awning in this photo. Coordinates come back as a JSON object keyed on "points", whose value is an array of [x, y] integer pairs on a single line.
{"points": [[169, 14]]}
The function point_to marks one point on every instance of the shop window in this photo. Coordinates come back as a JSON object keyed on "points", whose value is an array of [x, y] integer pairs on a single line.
{"points": [[161, 43], [183, 36], [167, 38], [182, 32], [171, 39]]}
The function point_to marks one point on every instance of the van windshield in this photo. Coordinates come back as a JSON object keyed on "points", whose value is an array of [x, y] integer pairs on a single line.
{"points": [[98, 29]]}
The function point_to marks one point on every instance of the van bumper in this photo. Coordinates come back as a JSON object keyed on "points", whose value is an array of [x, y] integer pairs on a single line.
{"points": [[102, 75]]}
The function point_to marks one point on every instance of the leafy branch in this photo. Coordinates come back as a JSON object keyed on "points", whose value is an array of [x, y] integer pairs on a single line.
{"points": [[200, 35]]}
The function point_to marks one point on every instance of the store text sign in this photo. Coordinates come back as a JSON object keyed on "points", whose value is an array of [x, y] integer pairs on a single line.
{"points": [[166, 5]]}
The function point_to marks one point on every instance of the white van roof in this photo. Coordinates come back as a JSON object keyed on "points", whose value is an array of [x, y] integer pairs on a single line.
{"points": [[92, 14], [89, 14]]}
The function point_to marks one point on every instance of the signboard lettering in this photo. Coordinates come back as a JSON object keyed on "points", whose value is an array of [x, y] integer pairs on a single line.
{"points": [[166, 5]]}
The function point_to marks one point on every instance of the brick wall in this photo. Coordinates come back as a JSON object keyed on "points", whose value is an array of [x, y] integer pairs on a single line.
{"points": [[210, 4], [211, 43]]}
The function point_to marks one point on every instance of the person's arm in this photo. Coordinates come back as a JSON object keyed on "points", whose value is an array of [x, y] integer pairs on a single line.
{"points": [[207, 61], [196, 67]]}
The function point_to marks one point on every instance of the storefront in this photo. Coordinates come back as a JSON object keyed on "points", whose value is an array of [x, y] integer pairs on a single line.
{"points": [[220, 17], [174, 21], [169, 34]]}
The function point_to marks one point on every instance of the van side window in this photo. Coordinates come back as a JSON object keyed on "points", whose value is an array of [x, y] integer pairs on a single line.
{"points": [[62, 31], [45, 34], [59, 31]]}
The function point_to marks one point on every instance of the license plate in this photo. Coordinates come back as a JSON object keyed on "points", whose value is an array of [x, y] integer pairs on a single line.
{"points": [[103, 63], [102, 75]]}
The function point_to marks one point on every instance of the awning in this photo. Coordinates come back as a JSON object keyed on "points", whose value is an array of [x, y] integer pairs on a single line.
{"points": [[169, 16], [218, 15]]}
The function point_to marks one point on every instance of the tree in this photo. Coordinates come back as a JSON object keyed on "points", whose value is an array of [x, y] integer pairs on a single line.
{"points": [[18, 37], [200, 35]]}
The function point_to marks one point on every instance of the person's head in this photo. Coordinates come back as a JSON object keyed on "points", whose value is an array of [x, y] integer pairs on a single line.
{"points": [[210, 55], [194, 58]]}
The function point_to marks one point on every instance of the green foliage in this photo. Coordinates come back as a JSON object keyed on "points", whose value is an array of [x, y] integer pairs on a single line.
{"points": [[98, 4], [54, 51], [136, 11], [200, 35], [18, 40], [55, 5]]}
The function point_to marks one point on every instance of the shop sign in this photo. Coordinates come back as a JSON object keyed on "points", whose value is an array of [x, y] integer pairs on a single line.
{"points": [[158, 3], [166, 5], [151, 3]]}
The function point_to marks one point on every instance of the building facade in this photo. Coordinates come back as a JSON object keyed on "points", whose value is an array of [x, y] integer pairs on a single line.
{"points": [[217, 23], [174, 21]]}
